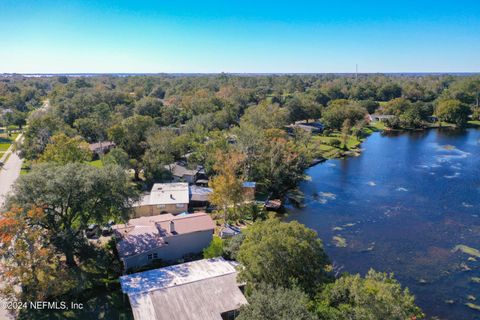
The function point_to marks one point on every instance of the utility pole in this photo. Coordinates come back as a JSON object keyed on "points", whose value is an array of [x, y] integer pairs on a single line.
{"points": [[356, 71]]}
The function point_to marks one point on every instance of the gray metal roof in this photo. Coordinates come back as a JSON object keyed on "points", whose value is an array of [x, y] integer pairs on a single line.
{"points": [[198, 290]]}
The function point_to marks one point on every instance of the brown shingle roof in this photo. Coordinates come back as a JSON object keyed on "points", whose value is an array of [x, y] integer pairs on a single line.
{"points": [[145, 233]]}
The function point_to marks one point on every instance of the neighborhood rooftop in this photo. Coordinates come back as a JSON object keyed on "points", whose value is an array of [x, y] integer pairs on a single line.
{"points": [[198, 290], [176, 275], [145, 233], [180, 170], [169, 193]]}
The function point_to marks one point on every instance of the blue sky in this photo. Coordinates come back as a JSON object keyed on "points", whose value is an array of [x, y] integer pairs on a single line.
{"points": [[239, 36]]}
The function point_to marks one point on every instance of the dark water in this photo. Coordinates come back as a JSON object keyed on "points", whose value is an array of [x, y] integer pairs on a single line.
{"points": [[402, 206]]}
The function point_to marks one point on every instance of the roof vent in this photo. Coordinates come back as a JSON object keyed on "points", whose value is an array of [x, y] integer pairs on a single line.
{"points": [[172, 227]]}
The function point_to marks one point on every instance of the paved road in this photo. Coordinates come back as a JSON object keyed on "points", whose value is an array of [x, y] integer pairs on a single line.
{"points": [[8, 174]]}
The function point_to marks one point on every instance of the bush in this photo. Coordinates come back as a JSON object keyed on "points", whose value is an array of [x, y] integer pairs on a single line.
{"points": [[335, 143], [215, 249]]}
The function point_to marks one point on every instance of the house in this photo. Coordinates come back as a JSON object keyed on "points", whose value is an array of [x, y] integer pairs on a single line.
{"points": [[249, 189], [164, 237], [163, 198], [199, 196], [312, 127], [180, 172], [102, 147], [379, 117], [200, 290]]}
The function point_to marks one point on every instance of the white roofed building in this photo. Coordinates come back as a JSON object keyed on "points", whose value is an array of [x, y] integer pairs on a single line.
{"points": [[163, 198], [200, 290]]}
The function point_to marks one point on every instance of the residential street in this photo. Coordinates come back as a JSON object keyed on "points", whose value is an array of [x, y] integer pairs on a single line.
{"points": [[9, 173]]}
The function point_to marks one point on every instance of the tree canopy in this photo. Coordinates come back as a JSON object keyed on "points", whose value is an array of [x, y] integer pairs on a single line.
{"points": [[63, 150], [73, 196], [282, 255], [269, 303], [453, 111], [378, 296]]}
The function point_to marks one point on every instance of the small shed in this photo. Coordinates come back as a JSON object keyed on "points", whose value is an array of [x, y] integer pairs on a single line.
{"points": [[249, 189]]}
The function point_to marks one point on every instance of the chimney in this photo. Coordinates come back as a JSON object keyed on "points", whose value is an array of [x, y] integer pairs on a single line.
{"points": [[171, 196], [172, 227]]}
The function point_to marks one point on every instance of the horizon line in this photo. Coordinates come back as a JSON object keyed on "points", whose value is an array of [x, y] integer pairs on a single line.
{"points": [[238, 73]]}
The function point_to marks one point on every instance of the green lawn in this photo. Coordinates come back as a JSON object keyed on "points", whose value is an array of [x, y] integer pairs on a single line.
{"points": [[6, 141], [96, 163], [475, 123], [5, 144]]}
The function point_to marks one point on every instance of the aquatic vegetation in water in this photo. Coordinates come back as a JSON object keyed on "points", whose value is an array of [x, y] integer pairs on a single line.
{"points": [[328, 195], [348, 225], [448, 147], [475, 279], [455, 175], [473, 306], [467, 250], [307, 178], [324, 197], [339, 241], [464, 267]]}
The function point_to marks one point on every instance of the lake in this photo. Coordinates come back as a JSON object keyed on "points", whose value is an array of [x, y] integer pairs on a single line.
{"points": [[403, 206]]}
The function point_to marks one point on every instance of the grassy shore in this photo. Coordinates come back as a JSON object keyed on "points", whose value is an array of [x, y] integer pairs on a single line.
{"points": [[474, 123], [328, 147]]}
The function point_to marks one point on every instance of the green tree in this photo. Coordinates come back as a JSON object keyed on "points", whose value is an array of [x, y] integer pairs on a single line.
{"points": [[396, 106], [73, 196], [116, 156], [266, 116], [215, 249], [453, 111], [339, 110], [131, 135], [282, 255], [270, 303], [63, 150], [149, 106], [389, 91], [41, 127], [163, 148], [346, 129], [16, 118], [370, 105], [378, 296], [232, 245]]}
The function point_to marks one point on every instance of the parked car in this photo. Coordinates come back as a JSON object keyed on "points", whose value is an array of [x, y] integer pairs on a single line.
{"points": [[92, 231], [106, 230]]}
